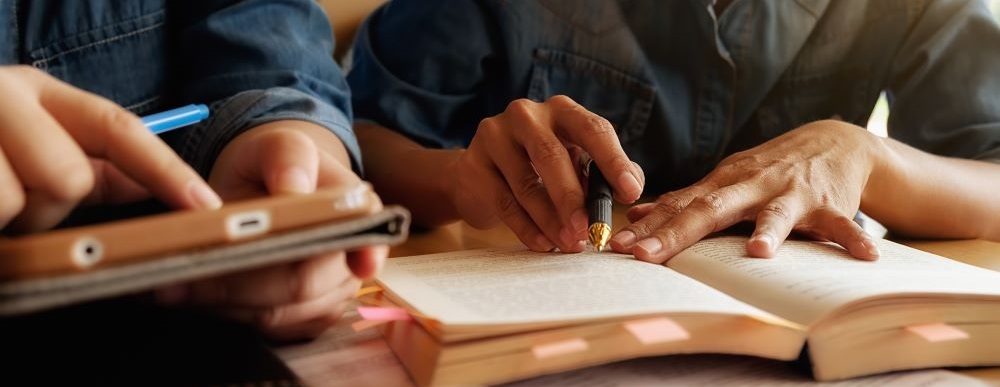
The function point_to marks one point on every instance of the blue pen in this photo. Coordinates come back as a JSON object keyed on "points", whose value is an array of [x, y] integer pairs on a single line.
{"points": [[176, 118]]}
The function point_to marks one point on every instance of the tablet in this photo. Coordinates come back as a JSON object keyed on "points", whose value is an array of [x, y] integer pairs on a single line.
{"points": [[115, 243]]}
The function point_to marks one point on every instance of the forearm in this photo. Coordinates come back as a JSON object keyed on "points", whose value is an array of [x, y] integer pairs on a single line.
{"points": [[404, 172], [918, 194]]}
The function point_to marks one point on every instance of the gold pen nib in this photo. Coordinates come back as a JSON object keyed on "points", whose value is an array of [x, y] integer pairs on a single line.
{"points": [[599, 235]]}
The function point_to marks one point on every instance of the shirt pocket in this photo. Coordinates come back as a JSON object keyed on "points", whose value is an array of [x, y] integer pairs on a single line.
{"points": [[124, 61], [624, 100]]}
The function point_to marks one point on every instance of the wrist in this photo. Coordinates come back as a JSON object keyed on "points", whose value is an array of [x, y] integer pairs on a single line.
{"points": [[427, 185], [885, 175], [451, 186]]}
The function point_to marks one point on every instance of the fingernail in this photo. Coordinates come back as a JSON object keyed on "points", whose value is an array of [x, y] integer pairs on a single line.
{"points": [[203, 196], [295, 180], [578, 220], [872, 248], [625, 238], [629, 184], [171, 294], [651, 245], [637, 172], [767, 240]]}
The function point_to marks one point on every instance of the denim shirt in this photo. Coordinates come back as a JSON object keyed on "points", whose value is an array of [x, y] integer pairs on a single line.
{"points": [[683, 87], [251, 61]]}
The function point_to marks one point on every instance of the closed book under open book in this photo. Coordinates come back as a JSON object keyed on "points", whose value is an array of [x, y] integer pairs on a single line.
{"points": [[489, 316]]}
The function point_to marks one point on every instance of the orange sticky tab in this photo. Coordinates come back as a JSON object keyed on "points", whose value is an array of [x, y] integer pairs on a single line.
{"points": [[367, 290], [937, 332], [557, 348], [383, 313], [657, 330]]}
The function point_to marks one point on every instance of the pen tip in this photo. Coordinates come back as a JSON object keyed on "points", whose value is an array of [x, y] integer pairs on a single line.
{"points": [[599, 234]]}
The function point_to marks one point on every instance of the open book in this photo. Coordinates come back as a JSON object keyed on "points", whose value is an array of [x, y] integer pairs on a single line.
{"points": [[495, 315]]}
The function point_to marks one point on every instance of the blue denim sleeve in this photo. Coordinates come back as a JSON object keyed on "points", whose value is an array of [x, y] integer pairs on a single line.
{"points": [[945, 88], [257, 61], [420, 66]]}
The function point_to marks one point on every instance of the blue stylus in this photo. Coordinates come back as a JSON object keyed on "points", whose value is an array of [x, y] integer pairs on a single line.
{"points": [[176, 118]]}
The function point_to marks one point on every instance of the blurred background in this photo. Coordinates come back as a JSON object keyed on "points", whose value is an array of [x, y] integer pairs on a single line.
{"points": [[877, 122]]}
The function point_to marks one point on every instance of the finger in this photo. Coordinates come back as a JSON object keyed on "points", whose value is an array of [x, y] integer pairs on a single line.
{"points": [[333, 173], [598, 138], [105, 130], [11, 192], [268, 286], [40, 212], [366, 262], [293, 163], [774, 222], [639, 211], [640, 175], [111, 185], [843, 231], [52, 170], [580, 160], [275, 318], [705, 214], [666, 207], [494, 190], [531, 195], [545, 153], [289, 161]]}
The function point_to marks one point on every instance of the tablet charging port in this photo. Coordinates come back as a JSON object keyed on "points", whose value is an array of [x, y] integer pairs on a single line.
{"points": [[246, 224]]}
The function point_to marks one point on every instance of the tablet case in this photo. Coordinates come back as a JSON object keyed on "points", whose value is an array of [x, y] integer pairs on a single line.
{"points": [[388, 226]]}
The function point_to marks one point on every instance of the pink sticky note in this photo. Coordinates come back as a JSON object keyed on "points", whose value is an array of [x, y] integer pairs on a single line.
{"points": [[937, 332], [657, 330], [557, 348], [383, 313]]}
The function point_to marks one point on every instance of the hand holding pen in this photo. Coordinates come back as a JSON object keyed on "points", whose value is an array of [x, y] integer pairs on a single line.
{"points": [[520, 169], [61, 146]]}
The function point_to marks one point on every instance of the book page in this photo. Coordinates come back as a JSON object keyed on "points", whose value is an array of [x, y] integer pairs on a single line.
{"points": [[723, 370], [507, 286], [806, 279]]}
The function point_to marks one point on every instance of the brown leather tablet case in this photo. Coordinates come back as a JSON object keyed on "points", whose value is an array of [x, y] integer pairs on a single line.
{"points": [[386, 226]]}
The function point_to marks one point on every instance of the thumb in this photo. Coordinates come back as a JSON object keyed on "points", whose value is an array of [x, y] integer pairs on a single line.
{"points": [[366, 262], [289, 162]]}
